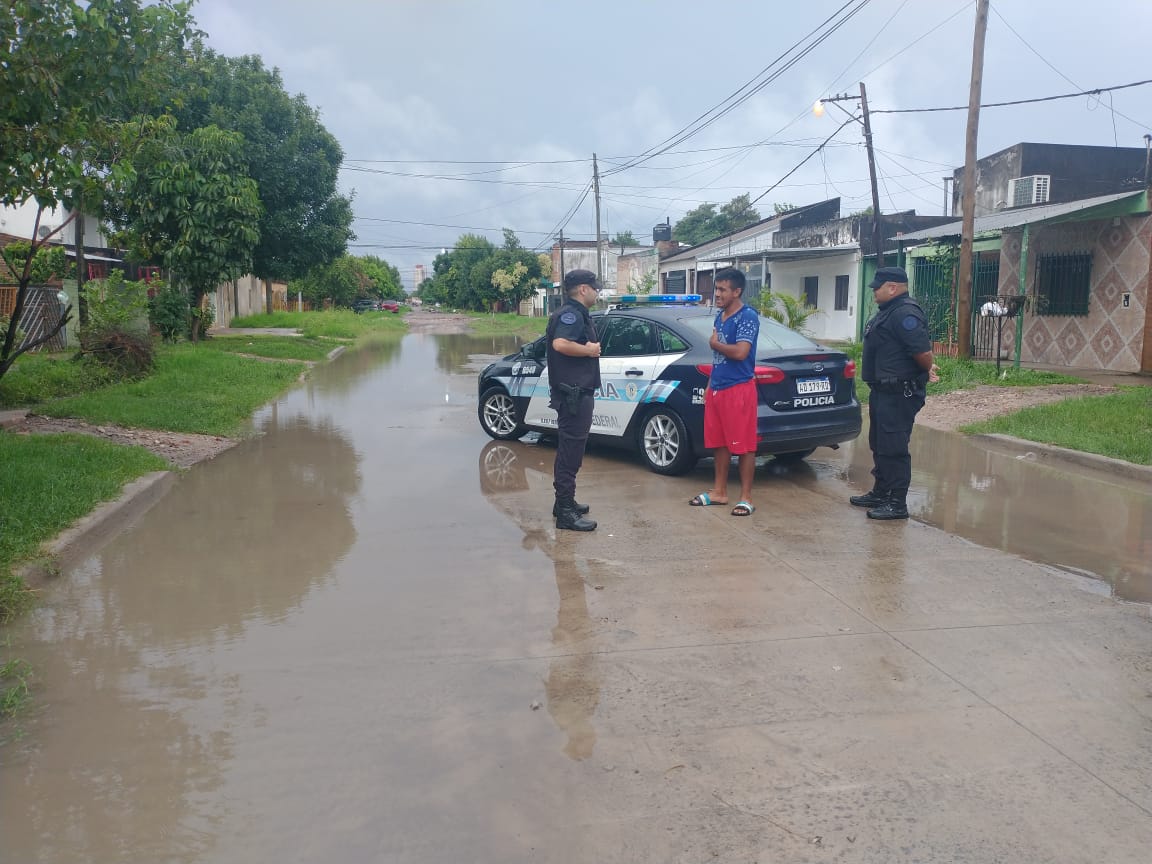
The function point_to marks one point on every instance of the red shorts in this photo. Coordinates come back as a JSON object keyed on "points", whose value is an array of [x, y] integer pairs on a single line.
{"points": [[730, 418]]}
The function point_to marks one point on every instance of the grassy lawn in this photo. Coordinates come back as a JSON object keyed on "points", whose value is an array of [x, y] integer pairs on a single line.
{"points": [[332, 323], [193, 389], [506, 323], [1119, 426], [275, 347], [958, 374], [48, 482], [39, 377]]}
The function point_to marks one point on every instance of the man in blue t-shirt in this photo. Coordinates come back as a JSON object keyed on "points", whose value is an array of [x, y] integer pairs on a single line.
{"points": [[730, 400]]}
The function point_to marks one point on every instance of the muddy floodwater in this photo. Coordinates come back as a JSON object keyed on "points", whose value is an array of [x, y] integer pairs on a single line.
{"points": [[356, 637]]}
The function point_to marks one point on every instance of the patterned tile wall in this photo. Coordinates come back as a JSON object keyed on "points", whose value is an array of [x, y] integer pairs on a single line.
{"points": [[1110, 336]]}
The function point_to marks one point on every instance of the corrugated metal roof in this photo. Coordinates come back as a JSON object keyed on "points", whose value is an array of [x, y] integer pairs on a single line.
{"points": [[1018, 217]]}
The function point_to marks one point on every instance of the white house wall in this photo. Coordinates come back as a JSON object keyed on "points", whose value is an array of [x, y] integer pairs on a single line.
{"points": [[788, 278], [19, 222]]}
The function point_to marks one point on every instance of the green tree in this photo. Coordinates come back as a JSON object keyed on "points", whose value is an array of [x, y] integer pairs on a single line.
{"points": [[624, 239], [191, 206], [780, 209], [71, 73], [294, 160], [705, 222]]}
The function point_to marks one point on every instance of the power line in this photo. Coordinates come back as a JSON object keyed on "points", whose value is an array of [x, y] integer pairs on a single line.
{"points": [[753, 86], [802, 161], [1045, 61], [1094, 92]]}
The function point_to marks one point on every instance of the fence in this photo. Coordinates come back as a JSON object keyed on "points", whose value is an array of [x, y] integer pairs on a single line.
{"points": [[933, 282]]}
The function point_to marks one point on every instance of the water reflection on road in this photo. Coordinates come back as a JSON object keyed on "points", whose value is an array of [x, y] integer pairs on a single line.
{"points": [[1082, 520]]}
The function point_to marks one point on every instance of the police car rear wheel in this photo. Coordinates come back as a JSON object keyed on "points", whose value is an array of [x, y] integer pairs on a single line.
{"points": [[664, 443], [497, 413]]}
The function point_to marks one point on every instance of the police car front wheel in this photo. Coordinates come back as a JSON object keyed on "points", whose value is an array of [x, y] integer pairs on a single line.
{"points": [[497, 412], [664, 443]]}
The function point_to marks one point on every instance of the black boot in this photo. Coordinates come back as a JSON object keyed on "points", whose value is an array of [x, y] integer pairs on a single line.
{"points": [[580, 508], [570, 519], [869, 499], [893, 508]]}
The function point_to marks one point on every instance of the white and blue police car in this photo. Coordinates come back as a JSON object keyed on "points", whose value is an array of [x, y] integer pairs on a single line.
{"points": [[654, 368]]}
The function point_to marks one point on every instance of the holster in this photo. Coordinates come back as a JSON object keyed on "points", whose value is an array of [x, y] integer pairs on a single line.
{"points": [[571, 395]]}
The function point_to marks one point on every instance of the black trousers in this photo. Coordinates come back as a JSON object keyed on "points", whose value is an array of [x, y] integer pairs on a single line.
{"points": [[891, 416], [572, 428]]}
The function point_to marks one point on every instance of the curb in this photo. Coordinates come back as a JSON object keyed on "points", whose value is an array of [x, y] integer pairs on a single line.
{"points": [[90, 532], [1050, 452], [337, 351]]}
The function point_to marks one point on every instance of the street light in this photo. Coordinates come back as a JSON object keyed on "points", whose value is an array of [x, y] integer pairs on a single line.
{"points": [[818, 110]]}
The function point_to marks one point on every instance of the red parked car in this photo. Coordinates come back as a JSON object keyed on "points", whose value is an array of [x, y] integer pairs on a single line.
{"points": [[389, 306]]}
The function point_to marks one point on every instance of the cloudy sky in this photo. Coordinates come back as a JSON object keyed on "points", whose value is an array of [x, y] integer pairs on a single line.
{"points": [[483, 115]]}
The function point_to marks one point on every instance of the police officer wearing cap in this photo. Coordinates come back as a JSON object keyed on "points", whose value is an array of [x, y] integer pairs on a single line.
{"points": [[573, 377], [897, 366]]}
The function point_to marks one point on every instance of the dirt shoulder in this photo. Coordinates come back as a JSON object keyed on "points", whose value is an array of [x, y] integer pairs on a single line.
{"points": [[181, 449], [423, 321], [950, 411]]}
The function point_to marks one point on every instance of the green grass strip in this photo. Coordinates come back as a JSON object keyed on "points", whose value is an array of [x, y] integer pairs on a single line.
{"points": [[506, 323], [37, 378], [331, 324], [47, 482], [274, 347], [1119, 425], [192, 389], [958, 374]]}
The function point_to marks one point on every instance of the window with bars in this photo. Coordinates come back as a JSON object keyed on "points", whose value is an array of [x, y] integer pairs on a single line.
{"points": [[1063, 280], [841, 293], [812, 291]]}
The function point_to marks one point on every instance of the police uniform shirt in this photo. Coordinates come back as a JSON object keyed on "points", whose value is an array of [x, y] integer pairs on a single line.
{"points": [[896, 334], [572, 322]]}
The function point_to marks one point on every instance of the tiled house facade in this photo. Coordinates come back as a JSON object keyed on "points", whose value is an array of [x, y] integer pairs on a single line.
{"points": [[1111, 335]]}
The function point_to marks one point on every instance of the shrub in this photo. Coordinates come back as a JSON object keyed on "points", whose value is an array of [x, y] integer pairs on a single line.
{"points": [[169, 313], [116, 335]]}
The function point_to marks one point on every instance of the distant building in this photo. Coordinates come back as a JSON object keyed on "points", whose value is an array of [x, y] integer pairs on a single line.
{"points": [[1026, 175]]}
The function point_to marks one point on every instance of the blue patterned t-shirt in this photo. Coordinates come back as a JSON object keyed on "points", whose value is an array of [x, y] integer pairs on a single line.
{"points": [[744, 326]]}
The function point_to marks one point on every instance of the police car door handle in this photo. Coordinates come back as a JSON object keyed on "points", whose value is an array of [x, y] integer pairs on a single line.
{"points": [[633, 371]]}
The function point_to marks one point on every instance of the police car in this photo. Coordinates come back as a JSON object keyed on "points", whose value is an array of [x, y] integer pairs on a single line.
{"points": [[654, 368]]}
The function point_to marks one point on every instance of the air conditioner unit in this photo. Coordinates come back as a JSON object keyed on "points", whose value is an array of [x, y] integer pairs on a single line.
{"points": [[1025, 191], [45, 230]]}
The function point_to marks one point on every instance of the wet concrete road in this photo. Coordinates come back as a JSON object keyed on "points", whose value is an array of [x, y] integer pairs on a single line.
{"points": [[357, 638]]}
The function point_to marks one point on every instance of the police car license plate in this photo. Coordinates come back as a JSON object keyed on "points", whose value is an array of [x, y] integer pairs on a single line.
{"points": [[813, 385]]}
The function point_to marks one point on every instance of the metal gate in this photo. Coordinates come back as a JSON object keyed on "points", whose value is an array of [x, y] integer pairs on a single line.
{"points": [[933, 280]]}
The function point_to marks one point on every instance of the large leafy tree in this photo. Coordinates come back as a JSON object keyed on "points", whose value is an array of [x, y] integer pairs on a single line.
{"points": [[70, 74], [475, 274], [192, 206], [706, 222], [294, 160], [349, 278]]}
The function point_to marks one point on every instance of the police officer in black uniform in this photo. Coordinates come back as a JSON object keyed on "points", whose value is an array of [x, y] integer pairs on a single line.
{"points": [[573, 376], [897, 366]]}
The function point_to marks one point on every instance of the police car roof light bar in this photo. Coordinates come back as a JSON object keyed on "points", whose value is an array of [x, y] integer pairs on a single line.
{"points": [[651, 299]]}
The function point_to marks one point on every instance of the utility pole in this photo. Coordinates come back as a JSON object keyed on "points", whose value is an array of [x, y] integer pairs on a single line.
{"points": [[877, 233], [946, 180], [596, 188], [562, 270], [964, 286]]}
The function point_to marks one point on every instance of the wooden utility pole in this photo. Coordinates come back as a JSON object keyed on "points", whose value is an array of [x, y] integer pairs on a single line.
{"points": [[964, 282], [877, 233], [596, 189]]}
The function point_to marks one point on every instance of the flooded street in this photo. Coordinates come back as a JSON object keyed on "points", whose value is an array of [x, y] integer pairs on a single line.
{"points": [[358, 638]]}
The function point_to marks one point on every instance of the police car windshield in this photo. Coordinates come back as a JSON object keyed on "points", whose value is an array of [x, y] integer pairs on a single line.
{"points": [[773, 334]]}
